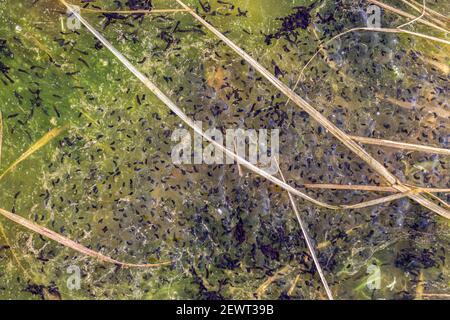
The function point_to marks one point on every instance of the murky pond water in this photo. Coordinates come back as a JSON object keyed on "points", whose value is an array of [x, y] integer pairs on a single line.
{"points": [[108, 181]]}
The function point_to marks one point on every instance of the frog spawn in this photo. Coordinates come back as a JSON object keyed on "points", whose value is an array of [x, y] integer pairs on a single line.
{"points": [[240, 227]]}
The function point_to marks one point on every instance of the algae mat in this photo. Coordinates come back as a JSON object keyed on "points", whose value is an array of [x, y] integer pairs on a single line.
{"points": [[86, 151]]}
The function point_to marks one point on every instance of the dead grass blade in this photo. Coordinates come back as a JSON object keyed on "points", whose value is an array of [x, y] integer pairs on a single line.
{"points": [[72, 244], [49, 136], [431, 11], [445, 204], [171, 105], [308, 241], [153, 11], [423, 13], [293, 285], [13, 254], [2, 230], [401, 145], [339, 134], [407, 15], [150, 11], [387, 30], [265, 285], [327, 243], [240, 171], [440, 112], [369, 188], [348, 187]]}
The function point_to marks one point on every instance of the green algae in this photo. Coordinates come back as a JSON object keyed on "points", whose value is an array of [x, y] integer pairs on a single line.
{"points": [[109, 182]]}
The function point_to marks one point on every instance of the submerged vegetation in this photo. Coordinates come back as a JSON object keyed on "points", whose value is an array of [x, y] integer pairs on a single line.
{"points": [[359, 208]]}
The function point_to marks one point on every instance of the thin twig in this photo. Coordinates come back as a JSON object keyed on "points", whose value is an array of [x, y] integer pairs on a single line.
{"points": [[72, 244]]}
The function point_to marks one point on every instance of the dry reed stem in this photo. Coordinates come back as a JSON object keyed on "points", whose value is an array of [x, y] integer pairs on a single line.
{"points": [[308, 241], [401, 145], [369, 188], [440, 112], [427, 14], [439, 295], [49, 136], [348, 187], [431, 11], [3, 233], [387, 30], [72, 244], [134, 11], [174, 108], [420, 286], [166, 100], [406, 191], [416, 18], [240, 171], [150, 11], [407, 15], [445, 204], [339, 134]]}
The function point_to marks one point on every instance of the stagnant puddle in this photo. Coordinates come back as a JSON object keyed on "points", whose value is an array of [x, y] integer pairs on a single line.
{"points": [[86, 150]]}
